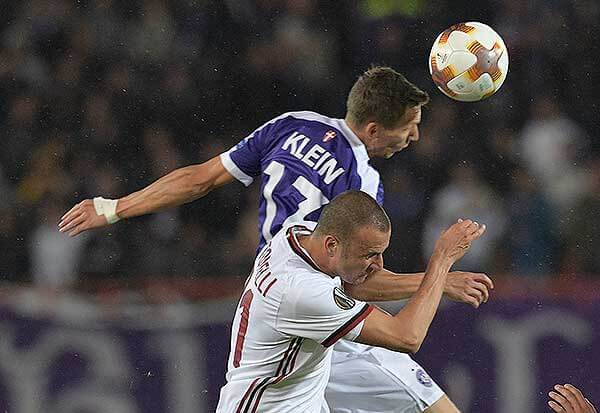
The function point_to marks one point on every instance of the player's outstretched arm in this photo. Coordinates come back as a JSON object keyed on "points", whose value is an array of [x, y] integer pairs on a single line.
{"points": [[569, 399], [407, 329], [465, 287], [176, 188]]}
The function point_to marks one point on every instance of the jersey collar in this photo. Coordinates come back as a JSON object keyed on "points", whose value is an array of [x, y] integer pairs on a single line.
{"points": [[358, 146], [292, 237]]}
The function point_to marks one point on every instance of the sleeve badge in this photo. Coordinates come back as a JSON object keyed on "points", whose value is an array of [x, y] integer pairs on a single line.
{"points": [[342, 300]]}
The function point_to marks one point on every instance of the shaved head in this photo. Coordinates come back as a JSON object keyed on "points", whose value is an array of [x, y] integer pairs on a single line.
{"points": [[349, 212]]}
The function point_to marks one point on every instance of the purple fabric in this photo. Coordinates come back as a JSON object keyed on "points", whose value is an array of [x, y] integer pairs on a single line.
{"points": [[287, 141]]}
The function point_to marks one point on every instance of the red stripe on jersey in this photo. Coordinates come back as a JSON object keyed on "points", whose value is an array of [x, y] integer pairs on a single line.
{"points": [[294, 357], [289, 364], [285, 356], [345, 329], [278, 379], [252, 394], [290, 355], [239, 409], [262, 390]]}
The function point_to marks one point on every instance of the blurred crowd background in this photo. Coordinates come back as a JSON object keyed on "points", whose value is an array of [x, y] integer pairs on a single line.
{"points": [[103, 97]]}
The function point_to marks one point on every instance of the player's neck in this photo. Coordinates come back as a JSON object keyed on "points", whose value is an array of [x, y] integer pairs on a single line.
{"points": [[313, 246], [360, 134]]}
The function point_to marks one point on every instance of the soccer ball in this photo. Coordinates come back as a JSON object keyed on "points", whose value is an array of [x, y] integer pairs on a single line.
{"points": [[468, 61]]}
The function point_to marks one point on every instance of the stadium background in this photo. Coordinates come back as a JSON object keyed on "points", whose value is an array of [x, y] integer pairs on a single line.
{"points": [[103, 97]]}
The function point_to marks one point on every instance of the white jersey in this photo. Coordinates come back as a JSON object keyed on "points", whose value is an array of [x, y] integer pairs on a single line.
{"points": [[289, 316]]}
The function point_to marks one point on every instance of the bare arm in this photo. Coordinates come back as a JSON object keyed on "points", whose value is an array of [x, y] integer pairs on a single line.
{"points": [[385, 285], [407, 329], [176, 188]]}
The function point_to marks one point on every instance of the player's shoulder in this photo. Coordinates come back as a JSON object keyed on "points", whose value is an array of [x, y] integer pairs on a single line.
{"points": [[293, 128], [302, 116], [313, 121], [307, 115], [312, 291], [305, 285], [309, 121], [311, 280], [307, 124]]}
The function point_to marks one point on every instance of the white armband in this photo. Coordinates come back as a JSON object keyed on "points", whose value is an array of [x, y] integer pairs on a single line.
{"points": [[108, 208]]}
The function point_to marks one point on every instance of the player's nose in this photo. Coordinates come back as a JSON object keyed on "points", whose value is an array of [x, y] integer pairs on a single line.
{"points": [[377, 262], [414, 136]]}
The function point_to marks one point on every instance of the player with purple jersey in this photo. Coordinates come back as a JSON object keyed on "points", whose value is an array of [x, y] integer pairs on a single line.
{"points": [[304, 159]]}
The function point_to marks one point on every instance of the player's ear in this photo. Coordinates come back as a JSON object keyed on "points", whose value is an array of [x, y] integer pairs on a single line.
{"points": [[371, 130], [331, 245]]}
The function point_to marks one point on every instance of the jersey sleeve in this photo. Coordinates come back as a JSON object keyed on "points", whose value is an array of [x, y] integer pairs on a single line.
{"points": [[243, 161], [322, 312]]}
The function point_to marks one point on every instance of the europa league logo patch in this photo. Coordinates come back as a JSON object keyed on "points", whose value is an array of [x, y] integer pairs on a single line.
{"points": [[342, 300], [423, 378]]}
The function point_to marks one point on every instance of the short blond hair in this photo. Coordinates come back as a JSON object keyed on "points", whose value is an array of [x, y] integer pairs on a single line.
{"points": [[382, 95]]}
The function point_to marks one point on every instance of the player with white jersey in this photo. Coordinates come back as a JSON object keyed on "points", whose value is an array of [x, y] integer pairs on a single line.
{"points": [[288, 317], [304, 160], [294, 307]]}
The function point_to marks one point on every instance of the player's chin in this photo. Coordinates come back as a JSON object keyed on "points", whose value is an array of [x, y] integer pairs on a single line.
{"points": [[388, 153], [393, 152], [360, 279], [354, 280]]}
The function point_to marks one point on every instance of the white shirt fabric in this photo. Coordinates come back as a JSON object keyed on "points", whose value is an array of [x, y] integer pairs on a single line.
{"points": [[289, 316]]}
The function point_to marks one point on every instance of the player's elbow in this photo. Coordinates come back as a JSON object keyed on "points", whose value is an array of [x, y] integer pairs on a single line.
{"points": [[408, 343], [198, 182], [400, 340], [414, 345], [393, 333], [207, 176], [408, 336]]}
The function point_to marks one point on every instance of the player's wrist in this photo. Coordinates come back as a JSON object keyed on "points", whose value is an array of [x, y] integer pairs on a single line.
{"points": [[449, 285], [442, 259], [108, 208]]}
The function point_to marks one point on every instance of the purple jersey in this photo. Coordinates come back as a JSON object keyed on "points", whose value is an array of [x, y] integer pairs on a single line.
{"points": [[305, 160]]}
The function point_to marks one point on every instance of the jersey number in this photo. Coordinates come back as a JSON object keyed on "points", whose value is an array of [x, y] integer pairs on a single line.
{"points": [[314, 198], [241, 336]]}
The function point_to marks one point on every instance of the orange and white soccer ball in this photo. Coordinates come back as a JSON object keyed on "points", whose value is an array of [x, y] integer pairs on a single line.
{"points": [[468, 61]]}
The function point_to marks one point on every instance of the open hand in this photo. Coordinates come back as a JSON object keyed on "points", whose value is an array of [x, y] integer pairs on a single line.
{"points": [[468, 287], [456, 240], [569, 399], [80, 218]]}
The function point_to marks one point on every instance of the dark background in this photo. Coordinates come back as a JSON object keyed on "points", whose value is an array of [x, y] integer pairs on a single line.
{"points": [[103, 97]]}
